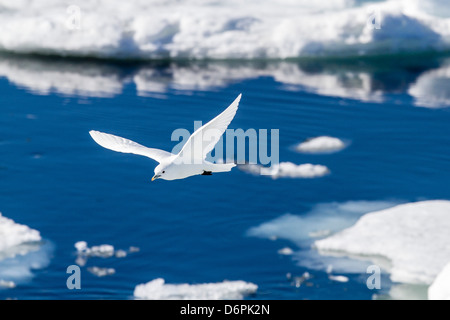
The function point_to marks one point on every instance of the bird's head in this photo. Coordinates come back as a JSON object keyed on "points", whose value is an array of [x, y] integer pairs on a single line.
{"points": [[160, 171]]}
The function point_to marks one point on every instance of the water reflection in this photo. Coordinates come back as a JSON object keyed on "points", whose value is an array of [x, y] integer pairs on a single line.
{"points": [[425, 79]]}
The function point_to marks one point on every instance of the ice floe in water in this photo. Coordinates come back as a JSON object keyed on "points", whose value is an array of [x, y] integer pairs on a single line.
{"points": [[431, 90], [103, 251], [101, 272], [322, 144], [210, 29], [287, 170], [338, 278], [286, 251], [13, 234], [322, 220], [409, 241], [22, 250], [227, 290], [440, 288], [413, 237], [7, 284]]}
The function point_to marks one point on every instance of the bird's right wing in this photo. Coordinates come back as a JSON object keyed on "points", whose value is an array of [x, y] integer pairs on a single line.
{"points": [[120, 144], [204, 139]]}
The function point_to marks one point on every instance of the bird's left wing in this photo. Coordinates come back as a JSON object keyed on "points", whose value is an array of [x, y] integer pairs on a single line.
{"points": [[120, 144], [203, 140]]}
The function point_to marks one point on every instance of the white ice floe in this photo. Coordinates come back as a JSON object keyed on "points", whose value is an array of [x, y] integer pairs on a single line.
{"points": [[431, 88], [322, 144], [287, 170], [222, 30], [13, 234], [338, 278], [440, 288], [101, 272], [286, 251], [322, 220], [297, 281], [413, 237], [227, 290], [7, 284], [21, 251], [103, 251]]}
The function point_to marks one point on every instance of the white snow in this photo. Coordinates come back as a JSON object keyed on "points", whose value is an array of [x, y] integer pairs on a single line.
{"points": [[101, 272], [286, 251], [227, 290], [321, 144], [211, 29], [287, 170], [440, 288], [322, 220], [21, 251], [81, 246], [7, 284], [431, 88], [413, 237], [13, 234], [338, 278], [120, 253], [103, 251]]}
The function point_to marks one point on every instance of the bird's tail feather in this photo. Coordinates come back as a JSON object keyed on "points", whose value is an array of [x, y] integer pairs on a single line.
{"points": [[222, 167]]}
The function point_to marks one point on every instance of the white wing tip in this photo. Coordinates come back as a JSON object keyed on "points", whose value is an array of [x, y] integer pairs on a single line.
{"points": [[93, 133]]}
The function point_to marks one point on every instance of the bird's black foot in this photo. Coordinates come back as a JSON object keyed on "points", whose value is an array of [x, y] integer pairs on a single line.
{"points": [[207, 173]]}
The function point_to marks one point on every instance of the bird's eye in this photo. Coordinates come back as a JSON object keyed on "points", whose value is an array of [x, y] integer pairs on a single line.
{"points": [[164, 172]]}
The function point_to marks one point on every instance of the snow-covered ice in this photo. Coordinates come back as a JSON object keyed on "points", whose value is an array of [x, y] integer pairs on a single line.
{"points": [[103, 251], [210, 29], [227, 290], [338, 278], [322, 144], [286, 251], [22, 250], [13, 234], [287, 170], [101, 272], [322, 220], [413, 237], [430, 90]]}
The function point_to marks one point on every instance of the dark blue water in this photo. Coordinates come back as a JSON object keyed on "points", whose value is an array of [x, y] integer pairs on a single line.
{"points": [[56, 179]]}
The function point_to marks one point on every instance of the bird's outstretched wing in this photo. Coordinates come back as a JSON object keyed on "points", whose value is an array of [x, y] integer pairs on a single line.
{"points": [[120, 144], [203, 140]]}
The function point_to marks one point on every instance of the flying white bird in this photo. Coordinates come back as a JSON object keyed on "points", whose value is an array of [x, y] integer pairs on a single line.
{"points": [[191, 160]]}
